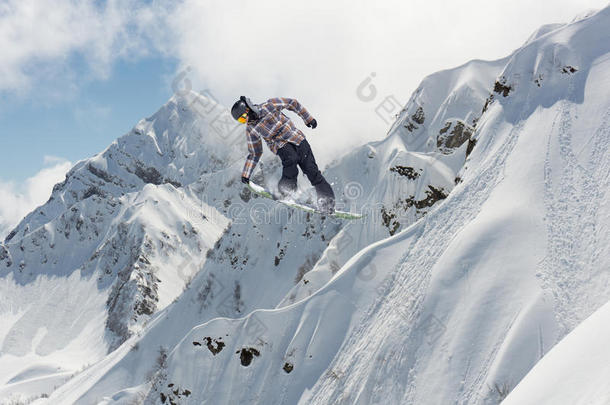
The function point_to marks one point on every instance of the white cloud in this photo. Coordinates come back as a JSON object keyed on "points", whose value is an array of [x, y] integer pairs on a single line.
{"points": [[19, 199], [49, 160], [41, 42], [319, 51]]}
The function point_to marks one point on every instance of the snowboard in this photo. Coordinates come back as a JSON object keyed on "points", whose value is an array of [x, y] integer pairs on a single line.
{"points": [[263, 192]]}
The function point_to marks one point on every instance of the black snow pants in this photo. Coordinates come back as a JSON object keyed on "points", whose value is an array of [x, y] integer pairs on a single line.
{"points": [[301, 155]]}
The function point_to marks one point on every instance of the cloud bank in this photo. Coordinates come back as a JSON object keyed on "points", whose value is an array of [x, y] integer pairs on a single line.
{"points": [[20, 199], [54, 45], [316, 51], [321, 51]]}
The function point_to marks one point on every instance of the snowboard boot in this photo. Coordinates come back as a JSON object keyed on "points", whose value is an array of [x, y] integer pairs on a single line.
{"points": [[286, 187], [326, 205], [326, 196]]}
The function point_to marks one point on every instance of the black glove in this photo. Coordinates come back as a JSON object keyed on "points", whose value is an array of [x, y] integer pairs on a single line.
{"points": [[245, 180], [312, 124]]}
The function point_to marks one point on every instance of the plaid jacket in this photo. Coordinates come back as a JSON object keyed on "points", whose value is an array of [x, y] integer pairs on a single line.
{"points": [[275, 128]]}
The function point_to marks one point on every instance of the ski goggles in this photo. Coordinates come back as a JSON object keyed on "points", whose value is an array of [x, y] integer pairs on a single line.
{"points": [[243, 118]]}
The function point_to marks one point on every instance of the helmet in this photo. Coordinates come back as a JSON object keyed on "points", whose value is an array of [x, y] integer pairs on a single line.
{"points": [[239, 108], [244, 106]]}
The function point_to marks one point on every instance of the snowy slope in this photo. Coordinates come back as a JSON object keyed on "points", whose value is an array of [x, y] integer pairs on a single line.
{"points": [[84, 271], [127, 233], [485, 242], [576, 371], [473, 294], [518, 253], [290, 250], [393, 182]]}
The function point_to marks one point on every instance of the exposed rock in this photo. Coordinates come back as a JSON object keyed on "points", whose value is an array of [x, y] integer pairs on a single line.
{"points": [[174, 183], [501, 87], [173, 396], [418, 116], [390, 218], [102, 174], [10, 236], [433, 195], [148, 174], [568, 69], [471, 144], [93, 190], [389, 221], [408, 172], [410, 126], [215, 346], [460, 133], [246, 355]]}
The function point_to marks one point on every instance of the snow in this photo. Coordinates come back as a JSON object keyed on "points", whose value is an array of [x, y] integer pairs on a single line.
{"points": [[576, 371], [154, 273], [46, 342]]}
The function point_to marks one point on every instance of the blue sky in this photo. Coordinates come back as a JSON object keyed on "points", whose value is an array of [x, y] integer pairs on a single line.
{"points": [[84, 123]]}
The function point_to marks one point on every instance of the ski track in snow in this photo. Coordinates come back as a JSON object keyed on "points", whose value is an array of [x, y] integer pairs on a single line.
{"points": [[572, 243], [410, 279]]}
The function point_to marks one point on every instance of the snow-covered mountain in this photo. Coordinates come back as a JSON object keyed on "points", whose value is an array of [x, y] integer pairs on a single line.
{"points": [[153, 276], [85, 271]]}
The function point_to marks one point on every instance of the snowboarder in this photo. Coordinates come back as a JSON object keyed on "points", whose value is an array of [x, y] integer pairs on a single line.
{"points": [[283, 138]]}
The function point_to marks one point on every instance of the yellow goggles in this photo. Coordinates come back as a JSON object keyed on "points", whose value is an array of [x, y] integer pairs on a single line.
{"points": [[243, 118]]}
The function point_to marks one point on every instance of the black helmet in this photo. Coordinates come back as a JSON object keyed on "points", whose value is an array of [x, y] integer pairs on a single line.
{"points": [[240, 106]]}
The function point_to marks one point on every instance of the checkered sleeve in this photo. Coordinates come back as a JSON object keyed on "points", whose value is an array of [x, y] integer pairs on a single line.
{"points": [[292, 105], [255, 149]]}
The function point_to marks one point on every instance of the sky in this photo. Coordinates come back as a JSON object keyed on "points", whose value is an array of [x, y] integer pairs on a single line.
{"points": [[77, 74]]}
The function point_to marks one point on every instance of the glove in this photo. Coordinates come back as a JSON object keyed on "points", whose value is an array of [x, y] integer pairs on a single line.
{"points": [[312, 124], [245, 180]]}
